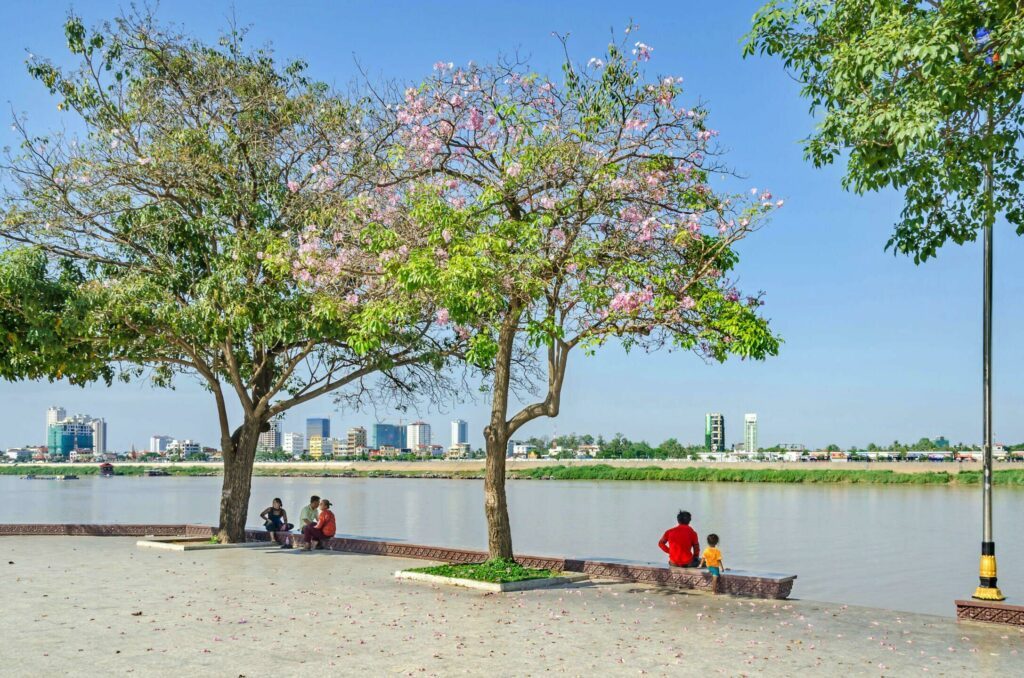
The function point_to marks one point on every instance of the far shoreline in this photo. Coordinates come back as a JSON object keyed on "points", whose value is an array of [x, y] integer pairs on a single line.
{"points": [[811, 473]]}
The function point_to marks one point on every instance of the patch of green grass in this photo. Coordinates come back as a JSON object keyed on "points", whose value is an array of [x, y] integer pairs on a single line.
{"points": [[496, 571]]}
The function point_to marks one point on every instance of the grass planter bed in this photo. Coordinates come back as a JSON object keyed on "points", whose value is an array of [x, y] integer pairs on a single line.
{"points": [[496, 576]]}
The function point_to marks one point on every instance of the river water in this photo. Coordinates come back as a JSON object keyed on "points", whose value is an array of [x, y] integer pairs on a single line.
{"points": [[911, 548]]}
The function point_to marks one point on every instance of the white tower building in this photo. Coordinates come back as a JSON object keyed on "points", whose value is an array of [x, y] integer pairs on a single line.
{"points": [[750, 433]]}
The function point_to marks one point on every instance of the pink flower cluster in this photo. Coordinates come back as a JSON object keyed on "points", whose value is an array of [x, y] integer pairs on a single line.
{"points": [[630, 302]]}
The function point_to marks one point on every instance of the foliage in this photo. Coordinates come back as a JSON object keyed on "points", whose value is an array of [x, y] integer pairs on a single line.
{"points": [[788, 476], [496, 571], [555, 216], [162, 242], [917, 96]]}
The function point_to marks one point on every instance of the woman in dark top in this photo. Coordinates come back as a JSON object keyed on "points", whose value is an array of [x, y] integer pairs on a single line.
{"points": [[275, 519]]}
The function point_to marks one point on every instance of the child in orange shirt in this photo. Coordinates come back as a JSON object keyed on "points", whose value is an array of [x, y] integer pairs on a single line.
{"points": [[712, 559]]}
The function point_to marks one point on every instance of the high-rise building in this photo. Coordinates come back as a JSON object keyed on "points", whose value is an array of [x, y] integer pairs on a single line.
{"points": [[460, 433], [68, 435], [159, 444], [714, 432], [270, 440], [99, 436], [53, 415], [355, 441], [750, 433], [418, 436], [293, 443], [318, 427], [387, 435]]}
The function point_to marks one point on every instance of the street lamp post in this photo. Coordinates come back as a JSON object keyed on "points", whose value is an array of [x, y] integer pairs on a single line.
{"points": [[987, 588]]}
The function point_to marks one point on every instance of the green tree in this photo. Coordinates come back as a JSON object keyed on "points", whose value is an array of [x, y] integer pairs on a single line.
{"points": [[163, 241], [908, 95]]}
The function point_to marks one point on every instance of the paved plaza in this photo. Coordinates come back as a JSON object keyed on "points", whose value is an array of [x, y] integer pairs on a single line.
{"points": [[101, 606]]}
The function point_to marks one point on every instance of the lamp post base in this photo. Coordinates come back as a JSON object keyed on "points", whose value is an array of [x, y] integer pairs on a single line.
{"points": [[990, 612], [988, 593]]}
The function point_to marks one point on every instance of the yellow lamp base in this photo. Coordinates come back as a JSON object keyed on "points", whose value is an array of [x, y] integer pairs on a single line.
{"points": [[988, 593]]}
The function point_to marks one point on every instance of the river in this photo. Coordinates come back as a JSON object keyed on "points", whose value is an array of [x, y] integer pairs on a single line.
{"points": [[912, 548]]}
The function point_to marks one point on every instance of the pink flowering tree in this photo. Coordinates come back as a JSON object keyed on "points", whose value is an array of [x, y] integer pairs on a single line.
{"points": [[206, 225], [555, 217]]}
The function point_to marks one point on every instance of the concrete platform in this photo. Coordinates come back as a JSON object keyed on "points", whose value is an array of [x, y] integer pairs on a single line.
{"points": [[185, 543], [99, 606]]}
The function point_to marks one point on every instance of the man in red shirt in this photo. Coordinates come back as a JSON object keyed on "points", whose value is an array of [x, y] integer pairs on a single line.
{"points": [[681, 543]]}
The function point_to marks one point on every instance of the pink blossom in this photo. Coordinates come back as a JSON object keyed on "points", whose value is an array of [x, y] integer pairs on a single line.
{"points": [[293, 186], [687, 303], [767, 195], [558, 235], [514, 169], [780, 203], [476, 119], [260, 255], [635, 124], [462, 331], [642, 51], [446, 235], [547, 202], [744, 222], [457, 101], [595, 62], [443, 66], [629, 302], [442, 316], [352, 298], [631, 215]]}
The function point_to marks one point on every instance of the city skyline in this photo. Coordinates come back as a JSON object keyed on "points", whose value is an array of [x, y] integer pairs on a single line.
{"points": [[876, 348]]}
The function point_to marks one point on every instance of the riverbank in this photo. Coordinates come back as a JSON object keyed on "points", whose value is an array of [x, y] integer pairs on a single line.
{"points": [[260, 612], [812, 474]]}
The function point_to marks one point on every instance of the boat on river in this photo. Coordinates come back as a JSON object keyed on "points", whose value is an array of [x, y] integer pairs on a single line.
{"points": [[66, 476], [106, 470], [155, 472]]}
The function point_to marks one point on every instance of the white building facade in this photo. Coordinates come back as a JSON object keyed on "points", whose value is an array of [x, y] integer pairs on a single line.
{"points": [[293, 443], [460, 432], [418, 436], [750, 433]]}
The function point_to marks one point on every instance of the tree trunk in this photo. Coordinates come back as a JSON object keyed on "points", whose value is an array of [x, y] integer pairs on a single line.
{"points": [[499, 529], [237, 486]]}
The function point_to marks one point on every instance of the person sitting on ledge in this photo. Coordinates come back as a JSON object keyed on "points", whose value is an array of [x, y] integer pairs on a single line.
{"points": [[681, 543], [324, 528], [275, 519], [308, 516]]}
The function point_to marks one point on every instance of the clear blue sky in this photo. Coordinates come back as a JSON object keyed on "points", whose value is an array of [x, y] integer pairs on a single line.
{"points": [[876, 348]]}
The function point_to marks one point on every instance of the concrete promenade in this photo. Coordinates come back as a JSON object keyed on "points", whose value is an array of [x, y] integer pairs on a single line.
{"points": [[101, 606]]}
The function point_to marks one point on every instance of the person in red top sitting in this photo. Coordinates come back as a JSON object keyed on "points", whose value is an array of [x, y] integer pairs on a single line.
{"points": [[324, 528], [681, 543]]}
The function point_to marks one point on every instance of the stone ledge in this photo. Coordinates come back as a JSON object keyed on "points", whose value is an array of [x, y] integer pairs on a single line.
{"points": [[524, 585], [733, 582], [989, 612]]}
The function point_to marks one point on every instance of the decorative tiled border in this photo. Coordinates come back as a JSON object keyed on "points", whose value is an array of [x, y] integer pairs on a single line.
{"points": [[993, 613], [735, 584], [75, 530]]}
